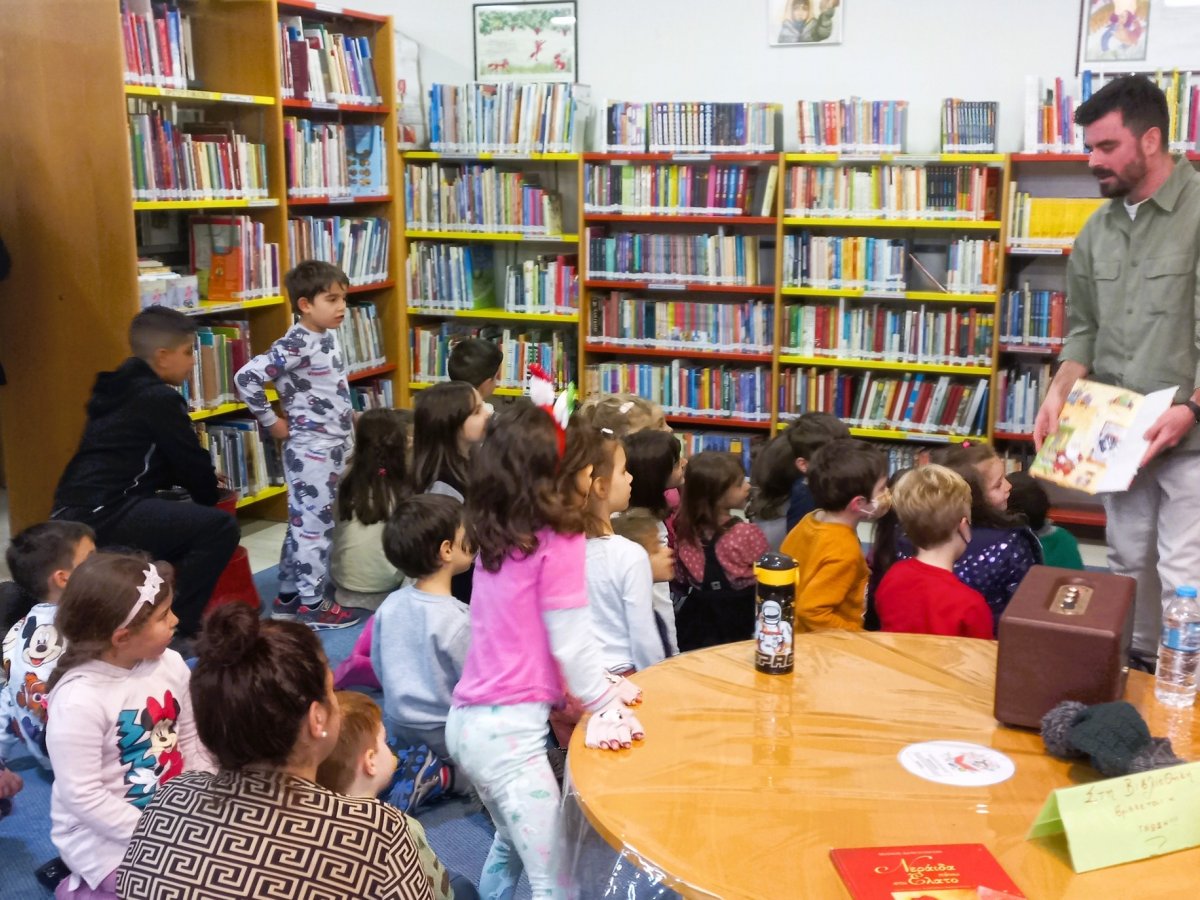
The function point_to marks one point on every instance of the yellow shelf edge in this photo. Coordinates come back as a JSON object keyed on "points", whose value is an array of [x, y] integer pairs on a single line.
{"points": [[225, 409], [150, 205], [892, 434], [490, 155], [264, 494], [493, 236], [214, 307], [942, 224], [892, 157], [499, 392], [882, 365], [557, 318], [145, 90]]}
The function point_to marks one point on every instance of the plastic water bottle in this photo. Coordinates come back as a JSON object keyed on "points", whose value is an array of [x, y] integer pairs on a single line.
{"points": [[1179, 650]]}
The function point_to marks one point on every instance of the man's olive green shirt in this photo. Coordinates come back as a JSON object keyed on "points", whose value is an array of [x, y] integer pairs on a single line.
{"points": [[1133, 310]]}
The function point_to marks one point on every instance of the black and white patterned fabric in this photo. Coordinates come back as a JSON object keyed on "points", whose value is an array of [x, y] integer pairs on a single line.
{"points": [[254, 834]]}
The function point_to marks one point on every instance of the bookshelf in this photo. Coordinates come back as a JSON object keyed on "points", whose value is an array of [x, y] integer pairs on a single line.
{"points": [[889, 266], [490, 248], [72, 170], [681, 299]]}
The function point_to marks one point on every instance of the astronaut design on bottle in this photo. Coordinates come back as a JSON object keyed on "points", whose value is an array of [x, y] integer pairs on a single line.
{"points": [[774, 636]]}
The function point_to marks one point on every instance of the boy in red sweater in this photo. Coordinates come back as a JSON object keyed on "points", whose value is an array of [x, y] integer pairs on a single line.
{"points": [[923, 595]]}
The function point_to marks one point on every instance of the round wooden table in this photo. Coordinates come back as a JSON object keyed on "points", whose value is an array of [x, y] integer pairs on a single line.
{"points": [[747, 781]]}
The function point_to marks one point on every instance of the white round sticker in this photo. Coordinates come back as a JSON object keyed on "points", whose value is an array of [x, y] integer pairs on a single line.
{"points": [[956, 762]]}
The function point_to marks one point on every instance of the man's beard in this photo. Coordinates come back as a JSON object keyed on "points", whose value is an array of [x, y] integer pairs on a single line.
{"points": [[1124, 181]]}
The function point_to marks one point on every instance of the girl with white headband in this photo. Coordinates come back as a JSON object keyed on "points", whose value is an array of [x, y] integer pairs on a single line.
{"points": [[120, 717]]}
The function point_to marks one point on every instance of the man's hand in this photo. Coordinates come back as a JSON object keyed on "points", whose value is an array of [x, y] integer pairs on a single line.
{"points": [[1167, 431], [279, 430], [1046, 422]]}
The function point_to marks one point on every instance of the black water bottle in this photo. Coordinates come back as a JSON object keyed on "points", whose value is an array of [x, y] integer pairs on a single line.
{"points": [[774, 613]]}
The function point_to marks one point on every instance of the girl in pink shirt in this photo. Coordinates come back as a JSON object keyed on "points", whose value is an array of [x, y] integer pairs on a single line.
{"points": [[531, 642]]}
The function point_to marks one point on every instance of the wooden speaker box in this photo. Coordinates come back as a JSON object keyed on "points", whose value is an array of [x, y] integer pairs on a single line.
{"points": [[1064, 636]]}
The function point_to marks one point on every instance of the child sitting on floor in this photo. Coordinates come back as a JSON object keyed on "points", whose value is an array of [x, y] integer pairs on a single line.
{"points": [[848, 481], [1028, 497], [362, 765], [922, 595]]}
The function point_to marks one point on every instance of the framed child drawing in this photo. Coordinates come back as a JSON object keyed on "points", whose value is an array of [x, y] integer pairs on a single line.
{"points": [[526, 41], [804, 23], [1113, 31]]}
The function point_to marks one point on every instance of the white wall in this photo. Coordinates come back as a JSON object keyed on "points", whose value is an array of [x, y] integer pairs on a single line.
{"points": [[917, 50]]}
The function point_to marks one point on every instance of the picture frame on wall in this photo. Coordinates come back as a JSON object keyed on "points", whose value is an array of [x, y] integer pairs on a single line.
{"points": [[1113, 32], [805, 23], [526, 41]]}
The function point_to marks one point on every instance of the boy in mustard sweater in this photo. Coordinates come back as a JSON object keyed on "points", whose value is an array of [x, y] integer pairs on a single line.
{"points": [[848, 479]]}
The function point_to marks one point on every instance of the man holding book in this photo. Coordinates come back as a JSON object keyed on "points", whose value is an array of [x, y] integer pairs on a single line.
{"points": [[1132, 298]]}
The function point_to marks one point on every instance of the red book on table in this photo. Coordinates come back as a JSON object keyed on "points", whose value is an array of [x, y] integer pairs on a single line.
{"points": [[929, 872]]}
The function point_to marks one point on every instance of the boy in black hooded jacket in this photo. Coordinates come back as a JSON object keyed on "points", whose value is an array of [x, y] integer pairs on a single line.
{"points": [[138, 441]]}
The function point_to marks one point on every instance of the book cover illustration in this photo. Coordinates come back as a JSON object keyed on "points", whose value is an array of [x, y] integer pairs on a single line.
{"points": [[931, 872], [1100, 438]]}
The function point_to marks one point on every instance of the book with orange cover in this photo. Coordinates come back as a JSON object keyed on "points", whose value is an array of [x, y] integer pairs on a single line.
{"points": [[924, 872]]}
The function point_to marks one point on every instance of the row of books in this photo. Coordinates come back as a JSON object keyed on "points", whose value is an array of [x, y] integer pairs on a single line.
{"points": [[929, 404], [159, 285], [458, 277], [1046, 221], [689, 390], [554, 349], [358, 245], [192, 160], [894, 192], [375, 393], [720, 258], [1021, 390], [479, 197], [853, 125], [509, 117], [680, 189], [693, 127], [1036, 318], [158, 44], [334, 159], [743, 446], [232, 258], [880, 265], [901, 456], [361, 337], [1050, 106], [626, 320], [969, 126], [241, 453], [221, 349], [323, 66], [889, 334]]}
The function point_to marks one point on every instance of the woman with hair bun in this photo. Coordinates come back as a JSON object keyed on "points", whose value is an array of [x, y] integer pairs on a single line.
{"points": [[263, 701]]}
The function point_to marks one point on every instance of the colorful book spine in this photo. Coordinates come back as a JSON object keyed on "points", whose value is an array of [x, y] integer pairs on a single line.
{"points": [[972, 266], [929, 404], [950, 192], [480, 198], [544, 284], [1047, 222], [242, 454], [1021, 390], [329, 159], [722, 258], [969, 126], [554, 349], [1033, 318], [744, 446], [356, 244], [451, 276], [624, 320], [508, 118], [727, 392], [221, 348], [232, 258], [177, 160], [851, 263], [361, 337], [926, 335], [372, 394], [852, 126], [625, 127], [158, 44], [324, 66], [678, 189]]}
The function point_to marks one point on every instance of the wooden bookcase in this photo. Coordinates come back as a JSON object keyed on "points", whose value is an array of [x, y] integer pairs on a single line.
{"points": [[70, 219], [557, 171]]}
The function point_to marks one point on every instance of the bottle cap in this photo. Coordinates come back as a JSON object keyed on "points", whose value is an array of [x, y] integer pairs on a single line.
{"points": [[1185, 590]]}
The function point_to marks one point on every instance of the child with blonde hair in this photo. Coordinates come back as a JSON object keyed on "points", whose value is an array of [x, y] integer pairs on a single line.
{"points": [[922, 595]]}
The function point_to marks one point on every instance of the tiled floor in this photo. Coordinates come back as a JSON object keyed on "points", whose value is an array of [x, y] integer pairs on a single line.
{"points": [[263, 540]]}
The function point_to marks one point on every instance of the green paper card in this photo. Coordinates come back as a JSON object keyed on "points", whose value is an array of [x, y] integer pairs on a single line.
{"points": [[1123, 819]]}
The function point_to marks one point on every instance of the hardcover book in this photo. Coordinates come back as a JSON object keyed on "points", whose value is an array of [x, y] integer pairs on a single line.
{"points": [[1099, 443], [930, 872]]}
